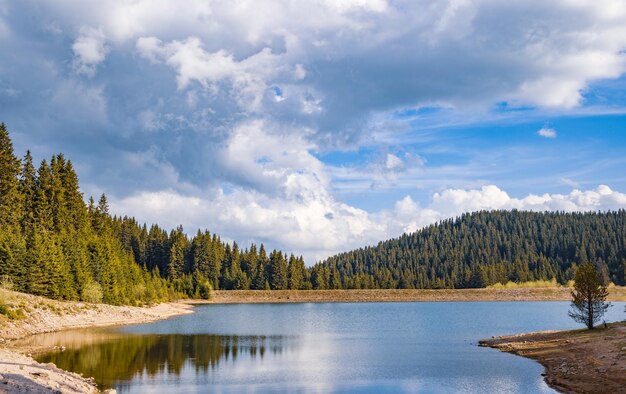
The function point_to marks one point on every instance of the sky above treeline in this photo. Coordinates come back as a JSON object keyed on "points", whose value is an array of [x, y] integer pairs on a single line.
{"points": [[320, 126]]}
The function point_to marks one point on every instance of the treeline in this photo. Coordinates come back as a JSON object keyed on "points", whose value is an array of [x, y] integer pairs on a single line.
{"points": [[483, 248], [206, 259], [54, 244]]}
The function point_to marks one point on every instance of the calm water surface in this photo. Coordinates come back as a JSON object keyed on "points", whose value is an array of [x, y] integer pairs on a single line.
{"points": [[364, 347]]}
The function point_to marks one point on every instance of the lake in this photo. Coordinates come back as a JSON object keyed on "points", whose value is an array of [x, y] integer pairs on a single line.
{"points": [[328, 347]]}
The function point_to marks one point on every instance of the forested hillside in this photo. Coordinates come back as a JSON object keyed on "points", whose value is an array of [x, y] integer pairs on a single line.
{"points": [[53, 243], [483, 248]]}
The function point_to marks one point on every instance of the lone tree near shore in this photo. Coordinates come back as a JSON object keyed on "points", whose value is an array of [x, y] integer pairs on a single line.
{"points": [[589, 296]]}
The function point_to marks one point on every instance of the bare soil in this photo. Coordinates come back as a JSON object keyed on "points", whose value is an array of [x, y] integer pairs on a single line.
{"points": [[393, 295], [578, 361]]}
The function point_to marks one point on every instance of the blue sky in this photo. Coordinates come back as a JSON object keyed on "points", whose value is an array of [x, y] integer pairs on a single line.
{"points": [[322, 126]]}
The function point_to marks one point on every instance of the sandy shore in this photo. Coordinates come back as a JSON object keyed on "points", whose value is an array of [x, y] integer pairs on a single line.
{"points": [[22, 374], [281, 296], [578, 361]]}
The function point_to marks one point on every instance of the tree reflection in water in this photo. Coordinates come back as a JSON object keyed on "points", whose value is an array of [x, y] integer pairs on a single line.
{"points": [[118, 359]]}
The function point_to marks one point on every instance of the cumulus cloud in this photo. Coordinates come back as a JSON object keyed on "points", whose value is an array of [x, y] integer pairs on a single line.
{"points": [[90, 49], [546, 132], [248, 78], [351, 59]]}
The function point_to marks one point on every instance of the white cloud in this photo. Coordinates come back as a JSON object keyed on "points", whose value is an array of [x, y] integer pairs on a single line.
{"points": [[248, 77], [453, 202], [529, 53], [547, 132], [90, 49], [393, 162]]}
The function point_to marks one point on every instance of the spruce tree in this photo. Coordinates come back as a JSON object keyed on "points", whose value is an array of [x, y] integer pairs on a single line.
{"points": [[177, 253], [278, 271], [589, 296], [11, 240], [28, 189], [10, 197]]}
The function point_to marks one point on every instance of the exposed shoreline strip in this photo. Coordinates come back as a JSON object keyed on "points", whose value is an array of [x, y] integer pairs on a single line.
{"points": [[577, 361], [397, 295]]}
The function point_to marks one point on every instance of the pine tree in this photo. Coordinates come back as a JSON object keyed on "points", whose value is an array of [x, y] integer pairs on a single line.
{"points": [[178, 248], [589, 296], [28, 189], [11, 240], [296, 273], [10, 198], [278, 271]]}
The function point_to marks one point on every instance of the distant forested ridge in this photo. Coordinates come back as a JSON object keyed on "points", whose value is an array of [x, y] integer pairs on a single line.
{"points": [[54, 244], [483, 248]]}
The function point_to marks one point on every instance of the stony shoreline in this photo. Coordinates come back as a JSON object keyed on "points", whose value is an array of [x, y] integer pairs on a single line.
{"points": [[577, 361]]}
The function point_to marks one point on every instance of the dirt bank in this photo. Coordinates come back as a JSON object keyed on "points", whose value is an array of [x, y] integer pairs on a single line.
{"points": [[517, 294], [579, 361], [35, 315], [44, 315]]}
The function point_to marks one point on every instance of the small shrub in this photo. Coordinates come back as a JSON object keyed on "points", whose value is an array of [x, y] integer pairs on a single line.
{"points": [[532, 284], [16, 314], [6, 283], [205, 289], [92, 292]]}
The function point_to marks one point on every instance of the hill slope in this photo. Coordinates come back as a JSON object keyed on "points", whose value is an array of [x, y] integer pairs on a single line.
{"points": [[483, 248]]}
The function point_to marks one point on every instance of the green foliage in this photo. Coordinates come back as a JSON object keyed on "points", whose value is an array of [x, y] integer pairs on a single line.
{"points": [[54, 244], [485, 248], [6, 283], [204, 289], [92, 292], [278, 271], [536, 284], [12, 314], [589, 295], [7, 309]]}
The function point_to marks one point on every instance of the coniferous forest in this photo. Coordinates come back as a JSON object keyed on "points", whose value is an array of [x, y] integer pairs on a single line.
{"points": [[53, 243], [484, 248]]}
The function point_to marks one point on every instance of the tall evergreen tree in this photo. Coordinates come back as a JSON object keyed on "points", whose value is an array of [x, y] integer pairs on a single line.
{"points": [[11, 245], [177, 262], [279, 275], [10, 197], [589, 296]]}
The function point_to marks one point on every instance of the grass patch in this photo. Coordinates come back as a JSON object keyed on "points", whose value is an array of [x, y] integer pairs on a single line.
{"points": [[11, 313], [536, 284]]}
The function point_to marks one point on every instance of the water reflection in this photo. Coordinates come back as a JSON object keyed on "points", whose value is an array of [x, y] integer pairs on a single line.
{"points": [[365, 347], [111, 358]]}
